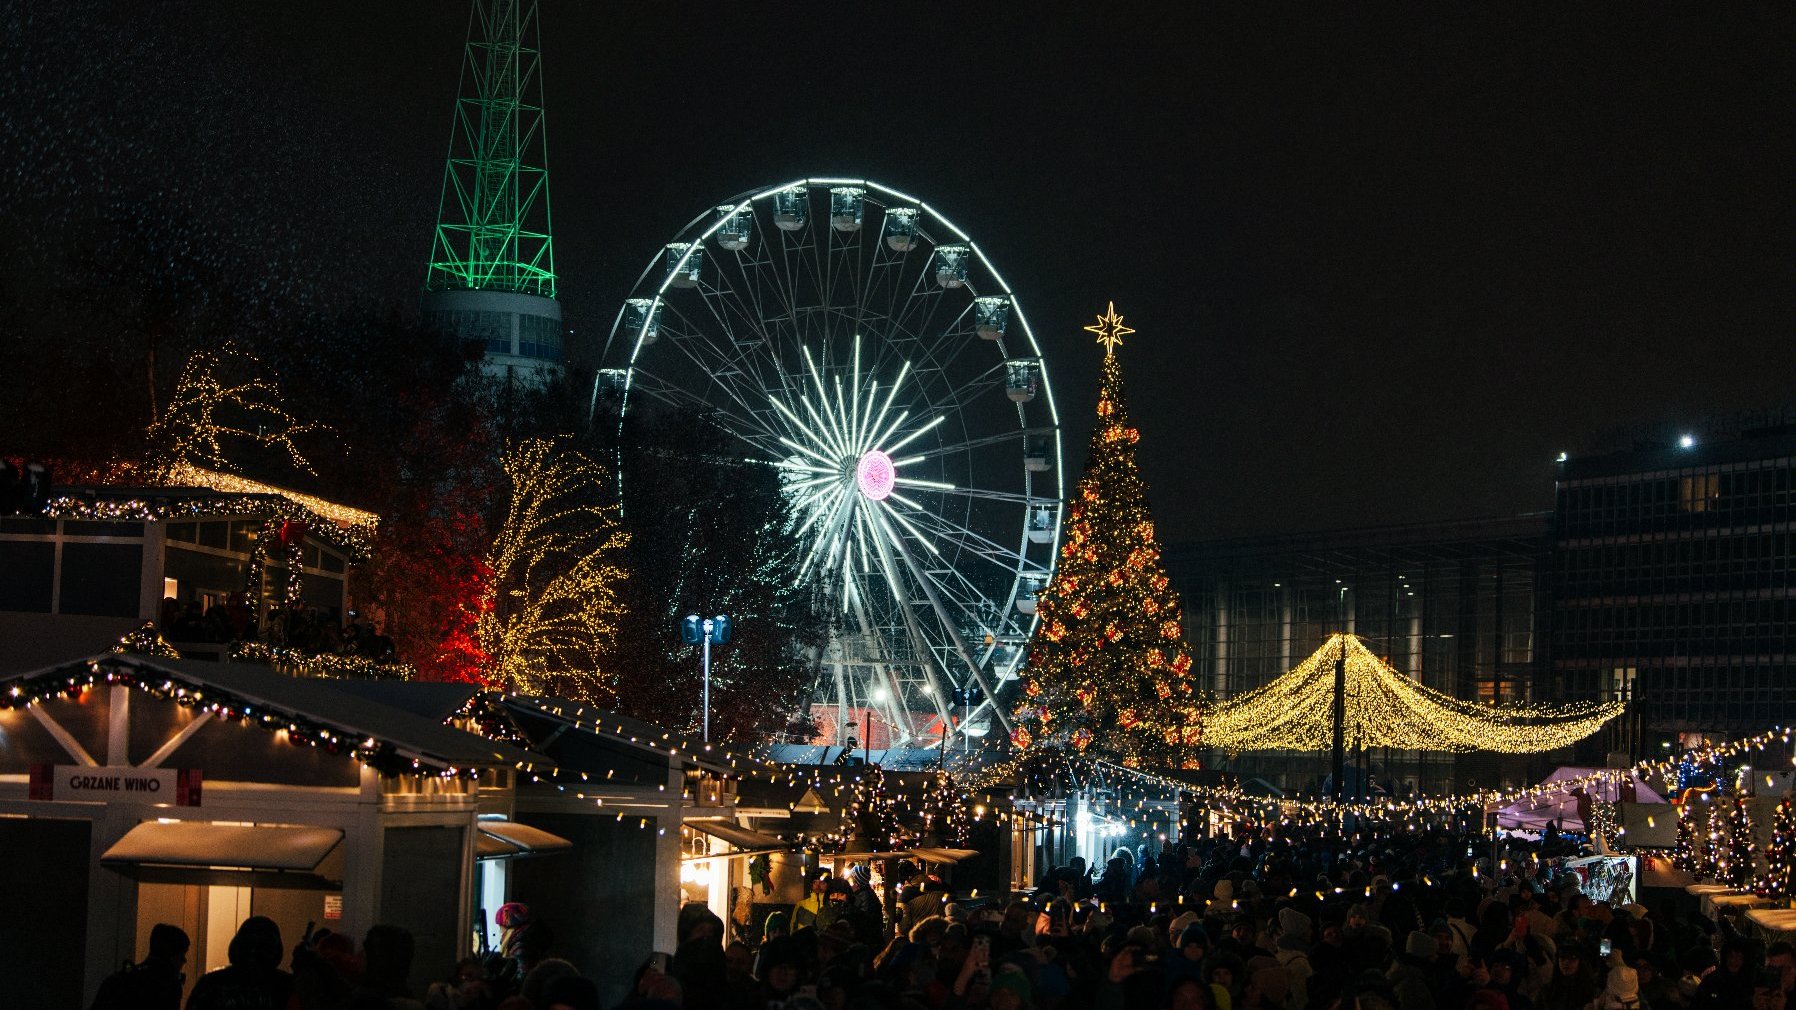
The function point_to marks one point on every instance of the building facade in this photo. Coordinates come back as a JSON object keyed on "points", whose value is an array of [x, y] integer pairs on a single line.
{"points": [[1664, 575], [1672, 582], [1455, 605]]}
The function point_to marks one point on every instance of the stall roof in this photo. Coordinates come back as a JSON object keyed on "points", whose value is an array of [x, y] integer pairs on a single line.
{"points": [[203, 852], [739, 836], [626, 731], [503, 839], [434, 701], [342, 705]]}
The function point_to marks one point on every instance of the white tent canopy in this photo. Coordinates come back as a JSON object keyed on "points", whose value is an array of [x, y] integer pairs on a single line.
{"points": [[1534, 813]]}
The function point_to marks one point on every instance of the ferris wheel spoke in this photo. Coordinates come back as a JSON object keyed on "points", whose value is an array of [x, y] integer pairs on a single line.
{"points": [[717, 366], [984, 547], [921, 646], [1001, 496], [955, 338], [746, 426], [741, 325], [946, 620], [967, 445]]}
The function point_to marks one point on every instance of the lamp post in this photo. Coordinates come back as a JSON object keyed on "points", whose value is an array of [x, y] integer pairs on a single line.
{"points": [[696, 630]]}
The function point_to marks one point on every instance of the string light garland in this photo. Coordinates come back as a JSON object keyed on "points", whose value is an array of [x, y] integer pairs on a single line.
{"points": [[185, 474], [1110, 671], [176, 506], [145, 640], [320, 664], [1028, 775], [386, 757], [1385, 708]]}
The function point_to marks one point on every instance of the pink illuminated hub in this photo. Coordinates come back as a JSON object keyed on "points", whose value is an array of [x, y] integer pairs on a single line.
{"points": [[875, 475]]}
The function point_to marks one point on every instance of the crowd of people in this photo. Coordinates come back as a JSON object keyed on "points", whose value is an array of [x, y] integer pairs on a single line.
{"points": [[307, 629], [1263, 920]]}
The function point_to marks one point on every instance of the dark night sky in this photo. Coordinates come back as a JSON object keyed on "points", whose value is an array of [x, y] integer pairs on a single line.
{"points": [[1383, 265]]}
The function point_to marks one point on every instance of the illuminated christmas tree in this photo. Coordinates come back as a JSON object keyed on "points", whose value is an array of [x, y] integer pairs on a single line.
{"points": [[1733, 865], [1780, 855], [1683, 855], [872, 814], [945, 811], [1708, 845], [1109, 671]]}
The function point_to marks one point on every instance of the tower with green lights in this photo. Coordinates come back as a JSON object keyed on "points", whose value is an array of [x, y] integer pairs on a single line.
{"points": [[491, 275]]}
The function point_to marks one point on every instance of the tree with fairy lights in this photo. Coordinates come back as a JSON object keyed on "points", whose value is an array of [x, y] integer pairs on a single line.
{"points": [[550, 613], [945, 811], [1683, 854], [1780, 855], [1109, 671], [1735, 844], [1707, 861], [872, 814], [223, 406]]}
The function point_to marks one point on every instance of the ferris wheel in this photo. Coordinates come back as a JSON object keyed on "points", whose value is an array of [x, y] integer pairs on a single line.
{"points": [[862, 345]]}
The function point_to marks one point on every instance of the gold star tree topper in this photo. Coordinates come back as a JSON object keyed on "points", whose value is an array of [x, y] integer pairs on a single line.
{"points": [[1110, 330]]}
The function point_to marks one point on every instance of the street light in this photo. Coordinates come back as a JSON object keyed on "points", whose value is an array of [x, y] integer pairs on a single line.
{"points": [[696, 630], [965, 698]]}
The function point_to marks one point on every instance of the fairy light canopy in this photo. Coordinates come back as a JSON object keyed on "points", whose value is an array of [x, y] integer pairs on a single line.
{"points": [[1385, 708]]}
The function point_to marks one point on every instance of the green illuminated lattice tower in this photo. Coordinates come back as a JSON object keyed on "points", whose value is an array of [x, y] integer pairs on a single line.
{"points": [[491, 275]]}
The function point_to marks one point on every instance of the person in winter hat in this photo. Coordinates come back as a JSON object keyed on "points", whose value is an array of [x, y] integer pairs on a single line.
{"points": [[1411, 977], [1622, 990]]}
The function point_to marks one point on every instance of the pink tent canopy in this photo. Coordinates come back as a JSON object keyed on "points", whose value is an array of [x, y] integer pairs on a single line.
{"points": [[1534, 813]]}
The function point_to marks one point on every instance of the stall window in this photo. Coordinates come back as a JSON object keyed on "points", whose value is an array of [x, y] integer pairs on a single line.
{"points": [[30, 567], [101, 579]]}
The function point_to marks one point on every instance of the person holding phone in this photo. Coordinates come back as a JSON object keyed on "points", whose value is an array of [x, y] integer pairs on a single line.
{"points": [[975, 970]]}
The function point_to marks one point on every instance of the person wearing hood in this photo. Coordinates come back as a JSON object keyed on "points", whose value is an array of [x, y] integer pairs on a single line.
{"points": [[1368, 943], [1730, 984], [1412, 977], [816, 897], [1188, 953], [1226, 974], [254, 979], [781, 970], [1292, 953], [1657, 988]]}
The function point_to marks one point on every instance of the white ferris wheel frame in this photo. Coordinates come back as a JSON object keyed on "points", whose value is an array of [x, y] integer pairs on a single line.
{"points": [[847, 522]]}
